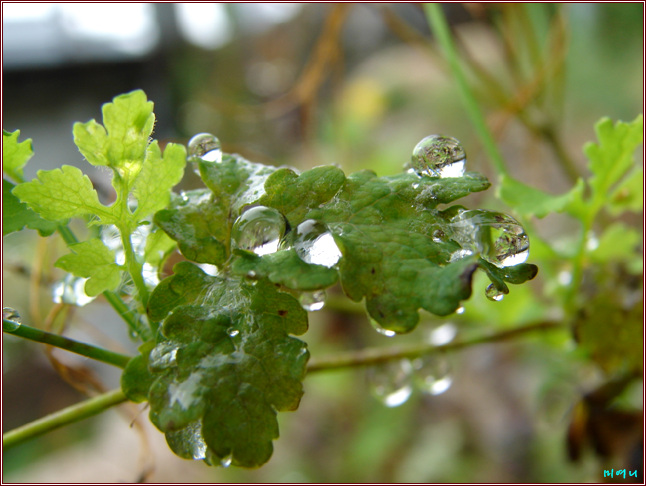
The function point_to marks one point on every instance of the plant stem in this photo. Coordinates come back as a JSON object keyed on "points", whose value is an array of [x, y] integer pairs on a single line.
{"points": [[442, 32], [372, 356], [74, 413], [134, 267], [87, 350]]}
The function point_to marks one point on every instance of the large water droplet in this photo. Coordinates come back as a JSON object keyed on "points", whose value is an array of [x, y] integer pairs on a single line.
{"points": [[312, 301], [493, 293], [439, 156], [432, 374], [499, 238], [315, 244], [14, 321], [391, 382], [381, 330], [259, 229], [205, 147], [71, 290]]}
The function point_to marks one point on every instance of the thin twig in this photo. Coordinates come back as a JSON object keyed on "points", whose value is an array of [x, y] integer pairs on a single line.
{"points": [[372, 356]]}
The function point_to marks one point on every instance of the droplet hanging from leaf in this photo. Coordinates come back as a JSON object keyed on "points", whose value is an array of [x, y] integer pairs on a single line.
{"points": [[259, 230], [10, 315], [312, 301], [492, 293], [499, 238], [439, 156], [206, 148]]}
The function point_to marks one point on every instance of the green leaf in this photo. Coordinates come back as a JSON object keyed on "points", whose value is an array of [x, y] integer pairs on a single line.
{"points": [[284, 268], [92, 259], [612, 157], [384, 227], [63, 193], [629, 194], [128, 121], [294, 195], [15, 154], [199, 226], [225, 365], [153, 185], [528, 201], [618, 243], [136, 380], [16, 215], [158, 247]]}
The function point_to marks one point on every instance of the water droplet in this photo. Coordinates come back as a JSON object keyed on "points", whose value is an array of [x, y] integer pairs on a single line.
{"points": [[443, 334], [438, 236], [499, 238], [439, 156], [493, 293], [233, 332], [71, 290], [592, 243], [391, 382], [460, 310], [205, 147], [432, 374], [226, 460], [381, 330], [259, 229], [15, 321], [315, 244], [163, 356], [313, 301]]}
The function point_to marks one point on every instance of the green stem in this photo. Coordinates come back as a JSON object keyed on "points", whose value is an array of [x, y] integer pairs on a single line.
{"points": [[75, 413], [442, 32], [87, 350], [134, 267], [372, 356], [127, 315]]}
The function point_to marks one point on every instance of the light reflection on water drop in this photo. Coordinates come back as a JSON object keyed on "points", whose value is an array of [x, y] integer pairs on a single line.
{"points": [[493, 293], [10, 314], [259, 229], [313, 301], [391, 382], [315, 244], [439, 156], [205, 147], [432, 374], [381, 330], [497, 237], [226, 460]]}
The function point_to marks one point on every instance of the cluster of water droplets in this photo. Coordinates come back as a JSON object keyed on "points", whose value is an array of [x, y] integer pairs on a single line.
{"points": [[206, 148], [393, 382], [263, 230], [439, 156]]}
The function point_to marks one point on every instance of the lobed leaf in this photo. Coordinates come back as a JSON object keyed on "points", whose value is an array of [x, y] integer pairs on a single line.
{"points": [[225, 364], [16, 215], [15, 154], [128, 122], [93, 260], [63, 193]]}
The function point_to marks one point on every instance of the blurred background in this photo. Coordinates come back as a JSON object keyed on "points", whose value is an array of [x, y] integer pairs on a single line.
{"points": [[302, 85]]}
